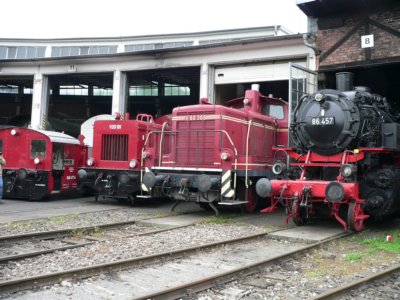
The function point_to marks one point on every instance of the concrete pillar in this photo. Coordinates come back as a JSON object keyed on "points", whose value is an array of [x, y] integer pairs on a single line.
{"points": [[40, 101], [205, 85], [120, 93]]}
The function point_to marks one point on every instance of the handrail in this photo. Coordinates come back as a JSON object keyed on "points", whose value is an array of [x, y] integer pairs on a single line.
{"points": [[247, 155], [161, 140]]}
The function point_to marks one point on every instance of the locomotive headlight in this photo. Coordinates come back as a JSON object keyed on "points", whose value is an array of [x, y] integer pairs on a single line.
{"points": [[36, 160], [133, 163], [90, 162], [319, 97], [14, 132], [225, 156], [347, 170], [279, 168]]}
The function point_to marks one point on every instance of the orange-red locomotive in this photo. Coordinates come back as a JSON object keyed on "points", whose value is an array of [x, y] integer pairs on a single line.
{"points": [[113, 169], [39, 162], [344, 161], [214, 154]]}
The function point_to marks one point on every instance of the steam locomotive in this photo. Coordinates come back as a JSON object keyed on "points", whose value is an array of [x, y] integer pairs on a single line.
{"points": [[39, 162], [214, 154], [344, 159], [113, 169]]}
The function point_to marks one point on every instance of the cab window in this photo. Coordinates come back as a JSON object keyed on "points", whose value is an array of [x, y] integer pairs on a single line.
{"points": [[1, 145], [38, 148], [273, 110]]}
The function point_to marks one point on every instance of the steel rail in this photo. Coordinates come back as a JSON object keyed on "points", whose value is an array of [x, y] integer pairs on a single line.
{"points": [[59, 232], [342, 290], [6, 259], [208, 282], [34, 282]]}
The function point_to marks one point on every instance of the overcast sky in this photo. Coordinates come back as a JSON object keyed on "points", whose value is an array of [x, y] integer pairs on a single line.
{"points": [[110, 18]]}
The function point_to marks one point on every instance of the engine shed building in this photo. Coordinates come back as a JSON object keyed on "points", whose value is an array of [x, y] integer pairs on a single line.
{"points": [[362, 37], [60, 83]]}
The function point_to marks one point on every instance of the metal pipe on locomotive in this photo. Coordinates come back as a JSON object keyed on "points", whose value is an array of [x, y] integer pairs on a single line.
{"points": [[113, 169], [213, 154], [39, 162], [344, 161]]}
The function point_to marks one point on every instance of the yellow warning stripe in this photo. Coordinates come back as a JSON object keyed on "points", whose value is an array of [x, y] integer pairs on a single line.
{"points": [[226, 175]]}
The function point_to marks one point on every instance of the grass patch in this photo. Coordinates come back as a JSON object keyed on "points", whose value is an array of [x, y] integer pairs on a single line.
{"points": [[312, 274], [353, 256], [62, 219], [221, 220], [380, 243], [97, 232], [78, 233], [20, 225]]}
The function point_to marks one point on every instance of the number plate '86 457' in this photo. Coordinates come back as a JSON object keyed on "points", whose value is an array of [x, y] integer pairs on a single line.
{"points": [[323, 121]]}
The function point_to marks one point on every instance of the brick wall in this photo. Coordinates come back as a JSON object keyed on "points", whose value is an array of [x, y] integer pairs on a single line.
{"points": [[386, 43]]}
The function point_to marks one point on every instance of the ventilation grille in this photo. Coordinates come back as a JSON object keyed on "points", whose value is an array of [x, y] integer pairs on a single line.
{"points": [[195, 143], [114, 147]]}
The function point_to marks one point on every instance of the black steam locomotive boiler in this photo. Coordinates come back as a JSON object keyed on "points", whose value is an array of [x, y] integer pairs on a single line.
{"points": [[343, 161]]}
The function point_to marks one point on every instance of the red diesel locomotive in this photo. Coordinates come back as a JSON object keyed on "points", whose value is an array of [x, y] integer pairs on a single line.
{"points": [[214, 154], [39, 162], [344, 162], [113, 170]]}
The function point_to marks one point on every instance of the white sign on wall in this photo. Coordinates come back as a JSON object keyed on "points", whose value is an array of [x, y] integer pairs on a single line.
{"points": [[367, 41]]}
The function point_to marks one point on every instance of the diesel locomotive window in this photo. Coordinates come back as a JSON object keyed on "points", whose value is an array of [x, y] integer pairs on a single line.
{"points": [[1, 145], [273, 110], [38, 148]]}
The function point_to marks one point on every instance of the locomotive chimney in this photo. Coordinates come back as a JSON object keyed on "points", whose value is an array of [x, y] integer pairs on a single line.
{"points": [[255, 87], [344, 81]]}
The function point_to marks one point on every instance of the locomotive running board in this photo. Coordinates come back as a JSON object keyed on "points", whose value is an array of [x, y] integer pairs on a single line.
{"points": [[233, 202]]}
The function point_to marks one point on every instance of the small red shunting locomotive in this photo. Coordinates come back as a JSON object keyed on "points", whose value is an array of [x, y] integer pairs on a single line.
{"points": [[113, 169], [39, 162]]}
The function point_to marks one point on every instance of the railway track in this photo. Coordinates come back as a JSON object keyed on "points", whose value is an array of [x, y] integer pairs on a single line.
{"points": [[125, 268], [351, 289], [57, 240], [190, 288], [34, 282]]}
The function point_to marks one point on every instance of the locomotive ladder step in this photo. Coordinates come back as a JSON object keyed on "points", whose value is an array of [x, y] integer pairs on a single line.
{"points": [[143, 196], [232, 202]]}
